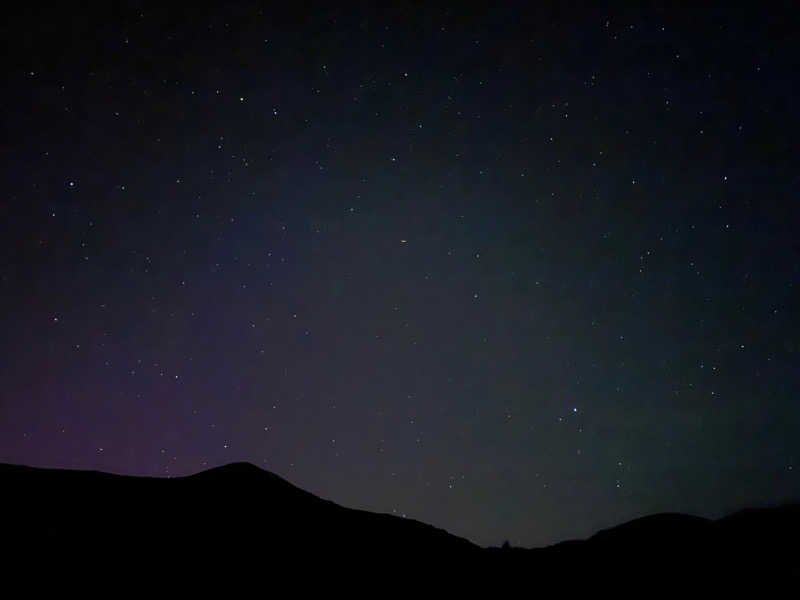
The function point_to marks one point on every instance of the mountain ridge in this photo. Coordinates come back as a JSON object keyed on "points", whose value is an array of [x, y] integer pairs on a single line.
{"points": [[240, 513]]}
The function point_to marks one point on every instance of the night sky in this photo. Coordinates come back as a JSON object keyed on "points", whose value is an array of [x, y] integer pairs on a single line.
{"points": [[517, 273]]}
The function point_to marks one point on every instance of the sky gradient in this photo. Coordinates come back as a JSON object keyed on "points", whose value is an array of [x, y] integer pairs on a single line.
{"points": [[518, 273]]}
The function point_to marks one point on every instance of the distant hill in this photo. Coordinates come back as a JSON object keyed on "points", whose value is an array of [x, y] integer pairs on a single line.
{"points": [[243, 517]]}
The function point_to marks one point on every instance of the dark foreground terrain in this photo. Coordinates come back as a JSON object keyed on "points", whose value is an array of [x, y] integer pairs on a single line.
{"points": [[241, 517]]}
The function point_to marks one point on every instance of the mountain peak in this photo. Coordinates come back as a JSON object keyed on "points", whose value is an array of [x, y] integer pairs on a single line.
{"points": [[240, 467]]}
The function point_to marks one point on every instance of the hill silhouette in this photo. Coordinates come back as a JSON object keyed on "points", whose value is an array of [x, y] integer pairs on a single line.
{"points": [[241, 516]]}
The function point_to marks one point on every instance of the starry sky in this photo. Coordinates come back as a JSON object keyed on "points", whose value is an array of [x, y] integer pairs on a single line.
{"points": [[520, 273]]}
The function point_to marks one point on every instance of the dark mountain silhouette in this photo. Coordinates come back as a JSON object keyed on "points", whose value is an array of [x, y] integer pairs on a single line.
{"points": [[243, 517]]}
